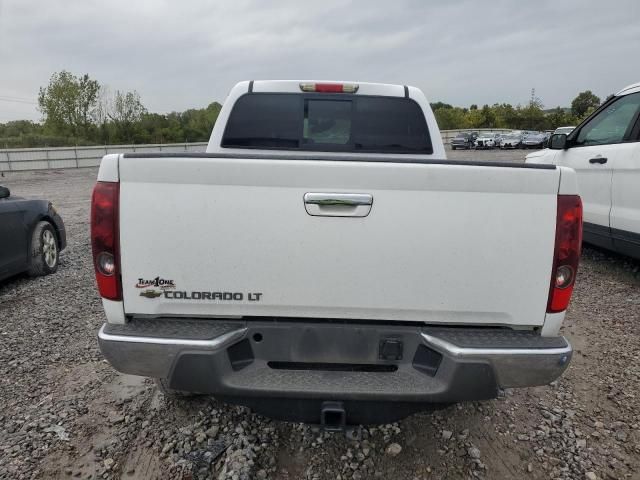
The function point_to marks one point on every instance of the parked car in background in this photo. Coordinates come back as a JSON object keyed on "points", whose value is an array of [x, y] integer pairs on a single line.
{"points": [[486, 140], [604, 150], [510, 140], [535, 140], [32, 235], [463, 140], [565, 130]]}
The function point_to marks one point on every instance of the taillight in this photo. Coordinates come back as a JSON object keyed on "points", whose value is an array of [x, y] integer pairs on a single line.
{"points": [[566, 253], [329, 87], [104, 239]]}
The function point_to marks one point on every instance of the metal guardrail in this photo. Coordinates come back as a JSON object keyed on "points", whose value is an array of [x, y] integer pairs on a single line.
{"points": [[21, 159], [448, 135]]}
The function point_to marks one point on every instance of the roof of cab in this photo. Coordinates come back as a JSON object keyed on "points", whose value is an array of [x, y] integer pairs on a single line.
{"points": [[293, 86], [633, 88]]}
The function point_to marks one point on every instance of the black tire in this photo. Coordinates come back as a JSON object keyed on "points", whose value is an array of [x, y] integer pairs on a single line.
{"points": [[163, 386], [452, 147], [44, 251]]}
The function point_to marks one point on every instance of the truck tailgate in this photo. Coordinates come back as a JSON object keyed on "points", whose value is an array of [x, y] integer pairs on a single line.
{"points": [[442, 243]]}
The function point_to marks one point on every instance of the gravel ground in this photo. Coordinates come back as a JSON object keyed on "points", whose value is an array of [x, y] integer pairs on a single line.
{"points": [[65, 413]]}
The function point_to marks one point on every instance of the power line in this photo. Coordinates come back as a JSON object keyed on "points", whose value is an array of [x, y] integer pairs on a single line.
{"points": [[16, 97], [6, 98]]}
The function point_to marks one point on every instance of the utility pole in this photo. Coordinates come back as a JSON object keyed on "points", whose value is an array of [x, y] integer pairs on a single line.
{"points": [[531, 104]]}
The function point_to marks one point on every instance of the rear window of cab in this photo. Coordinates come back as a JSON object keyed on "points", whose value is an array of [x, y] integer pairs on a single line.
{"points": [[327, 123]]}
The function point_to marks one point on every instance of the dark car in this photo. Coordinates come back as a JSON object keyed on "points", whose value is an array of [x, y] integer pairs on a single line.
{"points": [[32, 236], [535, 140], [463, 140]]}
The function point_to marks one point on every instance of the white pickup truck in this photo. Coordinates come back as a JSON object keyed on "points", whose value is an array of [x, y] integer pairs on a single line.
{"points": [[324, 262]]}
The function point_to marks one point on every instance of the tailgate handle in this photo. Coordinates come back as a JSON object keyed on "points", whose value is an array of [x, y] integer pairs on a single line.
{"points": [[338, 204]]}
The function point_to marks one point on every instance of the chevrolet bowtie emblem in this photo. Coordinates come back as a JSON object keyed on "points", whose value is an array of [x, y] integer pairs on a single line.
{"points": [[151, 293]]}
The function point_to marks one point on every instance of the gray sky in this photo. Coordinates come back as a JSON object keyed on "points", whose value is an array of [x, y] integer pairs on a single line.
{"points": [[187, 53]]}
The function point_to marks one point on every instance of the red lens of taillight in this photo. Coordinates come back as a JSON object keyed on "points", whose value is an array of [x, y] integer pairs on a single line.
{"points": [[104, 239], [566, 253]]}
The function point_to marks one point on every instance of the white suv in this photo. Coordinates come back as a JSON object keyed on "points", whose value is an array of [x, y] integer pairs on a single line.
{"points": [[604, 150]]}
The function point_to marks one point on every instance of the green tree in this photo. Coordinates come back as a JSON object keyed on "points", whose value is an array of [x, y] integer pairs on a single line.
{"points": [[489, 117], [68, 103], [532, 116], [125, 110], [558, 117], [78, 110], [450, 118], [197, 123], [437, 105], [505, 115], [584, 103], [474, 118]]}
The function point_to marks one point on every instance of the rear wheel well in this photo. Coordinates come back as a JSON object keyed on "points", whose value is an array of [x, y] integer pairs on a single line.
{"points": [[49, 220]]}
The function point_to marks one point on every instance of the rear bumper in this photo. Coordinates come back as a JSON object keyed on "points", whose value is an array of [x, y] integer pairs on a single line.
{"points": [[517, 364], [337, 362]]}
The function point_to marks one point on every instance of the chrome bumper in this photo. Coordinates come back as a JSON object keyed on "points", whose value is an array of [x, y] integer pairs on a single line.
{"points": [[513, 367], [169, 348], [150, 356]]}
